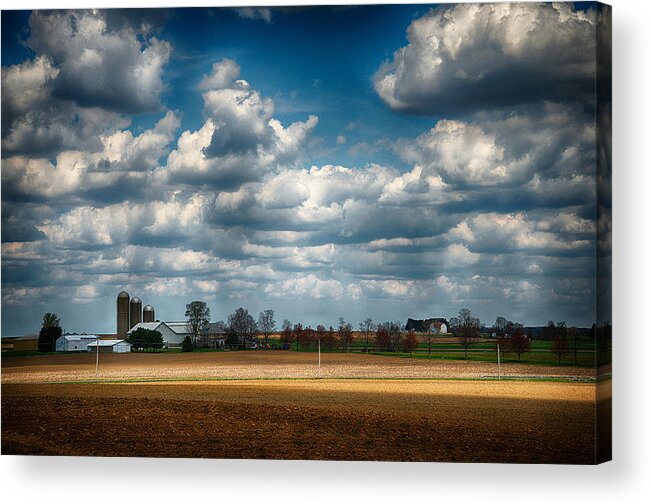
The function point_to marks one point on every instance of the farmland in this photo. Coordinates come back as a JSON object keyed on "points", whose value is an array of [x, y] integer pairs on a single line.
{"points": [[279, 405]]}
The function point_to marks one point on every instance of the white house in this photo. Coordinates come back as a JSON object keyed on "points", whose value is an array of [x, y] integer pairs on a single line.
{"points": [[115, 346], [172, 337], [74, 342]]}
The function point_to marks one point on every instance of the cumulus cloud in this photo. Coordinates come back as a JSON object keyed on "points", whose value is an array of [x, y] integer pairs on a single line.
{"points": [[100, 65], [240, 140], [467, 56], [124, 159]]}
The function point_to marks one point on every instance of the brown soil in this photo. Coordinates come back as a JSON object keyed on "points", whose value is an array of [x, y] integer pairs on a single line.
{"points": [[460, 421], [255, 364]]}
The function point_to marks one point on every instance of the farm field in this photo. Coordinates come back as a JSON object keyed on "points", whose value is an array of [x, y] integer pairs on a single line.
{"points": [[278, 404], [411, 420], [259, 364]]}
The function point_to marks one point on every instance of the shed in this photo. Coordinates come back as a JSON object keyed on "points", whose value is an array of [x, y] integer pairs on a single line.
{"points": [[74, 342], [115, 346]]}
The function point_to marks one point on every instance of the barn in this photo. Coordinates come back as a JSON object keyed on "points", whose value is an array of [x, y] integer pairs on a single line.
{"points": [[74, 342], [114, 346], [171, 338]]}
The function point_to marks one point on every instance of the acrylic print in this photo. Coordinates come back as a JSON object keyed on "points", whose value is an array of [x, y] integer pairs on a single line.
{"points": [[336, 233]]}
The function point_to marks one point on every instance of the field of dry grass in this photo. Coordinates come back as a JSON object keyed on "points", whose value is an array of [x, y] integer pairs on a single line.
{"points": [[255, 364]]}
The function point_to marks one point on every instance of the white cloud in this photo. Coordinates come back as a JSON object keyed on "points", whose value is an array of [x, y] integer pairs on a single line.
{"points": [[100, 65], [468, 56]]}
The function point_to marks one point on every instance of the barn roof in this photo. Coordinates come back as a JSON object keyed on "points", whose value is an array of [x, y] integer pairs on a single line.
{"points": [[107, 343], [152, 326]]}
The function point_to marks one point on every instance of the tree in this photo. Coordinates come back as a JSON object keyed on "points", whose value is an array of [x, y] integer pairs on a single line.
{"points": [[367, 327], [395, 336], [243, 324], [409, 342], [297, 335], [286, 334], [146, 339], [549, 331], [49, 333], [500, 326], [467, 329], [429, 338], [266, 324], [345, 334], [197, 315], [559, 341], [187, 345], [519, 341], [382, 340], [330, 339], [575, 335]]}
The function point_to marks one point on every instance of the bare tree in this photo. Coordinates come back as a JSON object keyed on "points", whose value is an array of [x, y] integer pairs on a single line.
{"points": [[409, 342], [395, 336], [429, 338], [519, 341], [345, 334], [367, 327], [243, 324], [382, 340], [286, 334], [559, 341], [297, 334], [266, 324], [468, 329], [197, 315]]}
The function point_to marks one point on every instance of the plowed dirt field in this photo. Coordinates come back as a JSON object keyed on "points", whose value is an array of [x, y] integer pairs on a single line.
{"points": [[365, 418]]}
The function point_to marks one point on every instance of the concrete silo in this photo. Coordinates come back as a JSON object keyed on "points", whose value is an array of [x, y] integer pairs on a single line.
{"points": [[135, 311], [123, 315], [148, 314]]}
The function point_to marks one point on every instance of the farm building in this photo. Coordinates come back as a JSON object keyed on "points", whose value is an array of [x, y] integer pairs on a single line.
{"points": [[74, 342], [114, 346], [171, 338], [29, 342], [215, 337]]}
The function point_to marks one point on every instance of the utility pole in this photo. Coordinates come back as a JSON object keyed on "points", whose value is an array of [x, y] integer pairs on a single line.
{"points": [[499, 366], [97, 359]]}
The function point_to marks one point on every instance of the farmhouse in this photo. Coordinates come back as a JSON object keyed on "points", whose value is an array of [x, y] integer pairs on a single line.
{"points": [[171, 337], [74, 342], [114, 346]]}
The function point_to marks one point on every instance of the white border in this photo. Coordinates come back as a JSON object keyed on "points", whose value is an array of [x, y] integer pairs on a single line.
{"points": [[628, 478]]}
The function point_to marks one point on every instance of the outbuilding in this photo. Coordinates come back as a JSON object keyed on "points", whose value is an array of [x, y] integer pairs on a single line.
{"points": [[171, 338], [114, 346], [74, 342]]}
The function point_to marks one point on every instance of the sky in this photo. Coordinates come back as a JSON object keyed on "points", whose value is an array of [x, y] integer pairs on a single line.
{"points": [[386, 161]]}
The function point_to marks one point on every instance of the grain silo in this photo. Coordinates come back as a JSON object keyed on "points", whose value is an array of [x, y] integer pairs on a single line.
{"points": [[135, 312], [123, 315], [148, 313]]}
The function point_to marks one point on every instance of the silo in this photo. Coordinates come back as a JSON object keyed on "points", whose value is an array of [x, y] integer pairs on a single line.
{"points": [[148, 313], [123, 314], [136, 311]]}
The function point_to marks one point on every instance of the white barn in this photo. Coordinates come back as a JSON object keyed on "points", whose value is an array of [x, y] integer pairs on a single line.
{"points": [[74, 342], [171, 337], [115, 346]]}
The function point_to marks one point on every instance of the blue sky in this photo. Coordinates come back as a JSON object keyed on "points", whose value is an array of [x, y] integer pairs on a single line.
{"points": [[383, 161]]}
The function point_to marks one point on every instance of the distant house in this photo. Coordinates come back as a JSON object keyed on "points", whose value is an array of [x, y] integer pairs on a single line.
{"points": [[114, 346], [438, 327], [74, 342], [172, 337], [433, 325]]}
